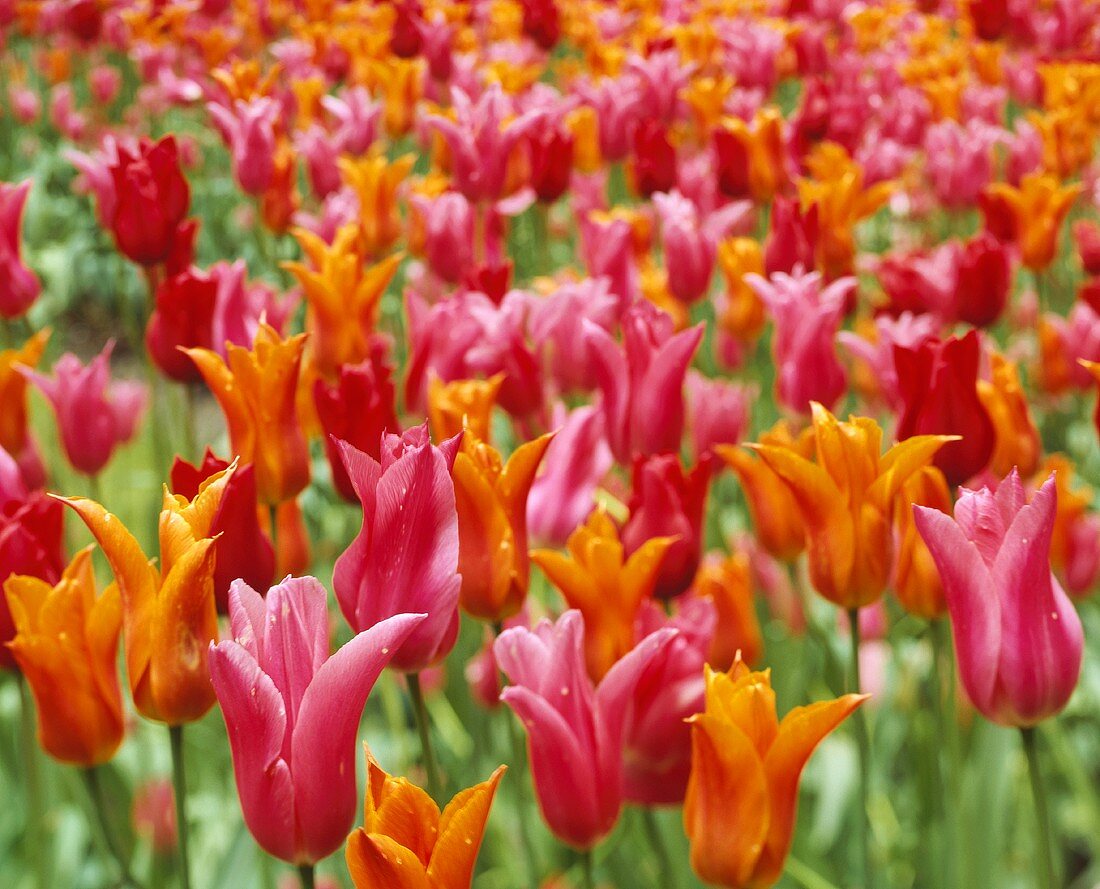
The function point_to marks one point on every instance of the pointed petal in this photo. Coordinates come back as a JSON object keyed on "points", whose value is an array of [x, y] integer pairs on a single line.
{"points": [[460, 833], [378, 862]]}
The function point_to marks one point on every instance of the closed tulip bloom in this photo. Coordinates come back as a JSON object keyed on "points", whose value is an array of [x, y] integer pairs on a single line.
{"points": [[242, 550], [742, 796], [94, 414], [847, 502], [257, 389], [776, 519], [406, 555], [916, 581], [183, 317], [598, 579], [169, 618], [1037, 210], [1016, 438], [1086, 235], [491, 497], [292, 713], [938, 383], [405, 841], [19, 286], [1018, 639], [574, 729], [151, 199], [66, 644]]}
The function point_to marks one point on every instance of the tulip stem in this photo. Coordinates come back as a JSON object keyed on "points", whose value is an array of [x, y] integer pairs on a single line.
{"points": [[805, 875], [36, 851], [423, 726], [657, 842], [306, 875], [99, 805], [588, 869], [179, 791], [864, 741], [943, 668], [1042, 815]]}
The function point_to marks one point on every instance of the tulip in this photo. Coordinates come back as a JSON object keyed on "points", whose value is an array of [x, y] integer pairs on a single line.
{"points": [[405, 841], [556, 326], [1016, 439], [94, 415], [690, 240], [727, 582], [15, 434], [776, 519], [876, 375], [806, 318], [574, 728], [248, 128], [150, 200], [463, 404], [257, 391], [916, 580], [742, 796], [491, 498], [169, 617], [1086, 234], [984, 281], [938, 382], [718, 413], [446, 225], [183, 317], [847, 502], [752, 160], [406, 555], [667, 501], [551, 155], [653, 162], [642, 383], [792, 238], [1018, 639], [1036, 211], [20, 287], [242, 549], [741, 312], [357, 115], [603, 583], [376, 180], [358, 409], [66, 644], [292, 713]]}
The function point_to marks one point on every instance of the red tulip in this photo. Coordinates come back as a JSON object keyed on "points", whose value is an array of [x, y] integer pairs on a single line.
{"points": [[151, 200]]}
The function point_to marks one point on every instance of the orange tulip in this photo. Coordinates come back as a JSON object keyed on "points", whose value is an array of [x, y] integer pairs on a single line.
{"points": [[742, 312], [169, 617], [375, 181], [462, 404], [916, 577], [66, 644], [14, 432], [606, 587], [257, 392], [763, 145], [847, 501], [1017, 440], [1038, 209], [742, 795], [728, 583], [405, 842], [343, 295], [775, 515], [491, 497]]}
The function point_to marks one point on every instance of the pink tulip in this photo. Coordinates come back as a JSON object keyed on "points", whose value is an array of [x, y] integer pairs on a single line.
{"points": [[94, 414], [806, 318], [574, 731], [906, 330], [718, 412], [448, 224], [25, 104], [960, 160], [576, 461], [248, 128], [357, 115], [557, 327], [406, 555], [671, 689], [320, 151], [642, 382], [95, 175], [690, 241], [292, 713], [1018, 638], [607, 248], [19, 286]]}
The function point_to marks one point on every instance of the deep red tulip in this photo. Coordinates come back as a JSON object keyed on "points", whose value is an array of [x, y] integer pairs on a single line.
{"points": [[183, 316], [984, 280], [542, 22], [792, 237], [151, 200], [551, 156], [653, 160]]}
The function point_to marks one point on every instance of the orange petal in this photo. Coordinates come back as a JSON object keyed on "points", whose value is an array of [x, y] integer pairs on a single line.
{"points": [[377, 862], [460, 832]]}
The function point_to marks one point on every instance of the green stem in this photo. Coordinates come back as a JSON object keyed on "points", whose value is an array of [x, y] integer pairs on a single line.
{"points": [[805, 875], [190, 437], [273, 519], [863, 739], [306, 875], [179, 787], [666, 872], [420, 709], [1042, 815], [943, 669], [99, 804], [588, 869], [36, 851]]}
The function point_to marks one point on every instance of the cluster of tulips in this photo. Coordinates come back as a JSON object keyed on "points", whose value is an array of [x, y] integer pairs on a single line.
{"points": [[562, 303]]}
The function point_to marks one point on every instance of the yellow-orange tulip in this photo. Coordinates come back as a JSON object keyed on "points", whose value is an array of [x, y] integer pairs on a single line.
{"points": [[847, 501], [607, 588], [916, 578], [375, 181], [169, 617], [728, 583], [462, 404], [491, 497], [66, 644], [1038, 208], [742, 313], [1017, 440], [14, 432], [405, 843], [776, 519], [257, 392], [742, 795]]}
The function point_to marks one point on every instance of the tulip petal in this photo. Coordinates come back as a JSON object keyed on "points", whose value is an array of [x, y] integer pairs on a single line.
{"points": [[461, 829], [378, 862]]}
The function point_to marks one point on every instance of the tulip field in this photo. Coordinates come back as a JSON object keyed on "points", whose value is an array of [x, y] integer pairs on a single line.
{"points": [[549, 444]]}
